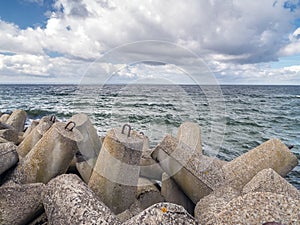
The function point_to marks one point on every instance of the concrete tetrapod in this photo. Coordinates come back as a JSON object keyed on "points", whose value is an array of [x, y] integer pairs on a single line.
{"points": [[90, 145], [173, 194], [2, 140], [33, 124], [212, 204], [35, 135], [17, 120], [149, 168], [51, 156], [190, 134], [258, 208], [271, 154], [268, 180], [147, 195], [8, 156], [68, 200], [19, 204], [163, 214], [4, 117], [116, 173], [11, 135], [196, 176], [5, 126], [84, 168]]}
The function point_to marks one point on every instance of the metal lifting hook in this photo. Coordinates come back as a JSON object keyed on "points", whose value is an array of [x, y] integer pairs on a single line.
{"points": [[129, 129], [53, 118], [67, 126]]}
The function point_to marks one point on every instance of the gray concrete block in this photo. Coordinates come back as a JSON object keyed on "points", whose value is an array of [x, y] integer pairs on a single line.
{"points": [[17, 120], [35, 135], [173, 194], [68, 200], [50, 157], [189, 133], [164, 214], [258, 208], [209, 206], [8, 156], [271, 154], [268, 180], [10, 135], [116, 173], [19, 204], [196, 176]]}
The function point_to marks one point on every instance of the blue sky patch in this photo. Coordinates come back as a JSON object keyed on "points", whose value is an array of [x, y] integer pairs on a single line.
{"points": [[25, 13]]}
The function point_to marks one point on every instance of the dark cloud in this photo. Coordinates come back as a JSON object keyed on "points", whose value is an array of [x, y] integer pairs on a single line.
{"points": [[153, 63], [106, 4], [79, 9]]}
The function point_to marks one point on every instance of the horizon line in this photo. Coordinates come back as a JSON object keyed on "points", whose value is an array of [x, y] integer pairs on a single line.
{"points": [[75, 84]]}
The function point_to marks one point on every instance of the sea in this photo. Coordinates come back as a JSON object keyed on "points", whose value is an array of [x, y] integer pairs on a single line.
{"points": [[233, 118]]}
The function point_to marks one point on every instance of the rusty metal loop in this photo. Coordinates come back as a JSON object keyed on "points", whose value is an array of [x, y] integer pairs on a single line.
{"points": [[142, 133], [129, 129], [53, 118], [67, 126]]}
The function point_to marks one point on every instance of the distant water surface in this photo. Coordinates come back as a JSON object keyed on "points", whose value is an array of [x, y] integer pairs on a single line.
{"points": [[253, 114]]}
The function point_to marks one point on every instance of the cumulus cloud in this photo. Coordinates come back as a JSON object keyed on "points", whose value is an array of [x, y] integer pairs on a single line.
{"points": [[294, 46], [256, 74], [231, 36]]}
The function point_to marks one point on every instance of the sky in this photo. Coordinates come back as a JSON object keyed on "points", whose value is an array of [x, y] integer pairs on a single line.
{"points": [[169, 41]]}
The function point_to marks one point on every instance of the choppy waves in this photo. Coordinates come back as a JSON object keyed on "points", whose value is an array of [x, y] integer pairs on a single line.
{"points": [[253, 114]]}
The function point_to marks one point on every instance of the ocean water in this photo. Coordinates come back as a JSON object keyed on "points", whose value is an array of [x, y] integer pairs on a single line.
{"points": [[234, 119]]}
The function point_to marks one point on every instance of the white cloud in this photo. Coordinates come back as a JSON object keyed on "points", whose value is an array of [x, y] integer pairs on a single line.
{"points": [[232, 36], [230, 73], [294, 46]]}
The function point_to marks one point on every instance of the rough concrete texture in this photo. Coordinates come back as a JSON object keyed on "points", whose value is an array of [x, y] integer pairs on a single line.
{"points": [[5, 126], [258, 208], [133, 210], [126, 215], [85, 168], [210, 205], [190, 134], [8, 156], [4, 117], [20, 138], [147, 193], [68, 200], [50, 157], [164, 214], [271, 154], [173, 194], [33, 124], [115, 175], [90, 145], [19, 204], [17, 120], [149, 168], [268, 180], [11, 135], [2, 140], [196, 176], [35, 135]]}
